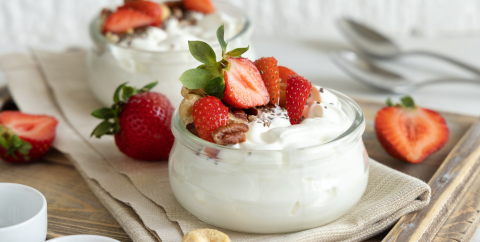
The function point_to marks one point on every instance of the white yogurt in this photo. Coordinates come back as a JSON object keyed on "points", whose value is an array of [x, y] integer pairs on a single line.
{"points": [[284, 187]]}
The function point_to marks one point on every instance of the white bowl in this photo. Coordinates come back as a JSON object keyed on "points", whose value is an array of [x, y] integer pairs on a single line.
{"points": [[23, 214], [83, 238]]}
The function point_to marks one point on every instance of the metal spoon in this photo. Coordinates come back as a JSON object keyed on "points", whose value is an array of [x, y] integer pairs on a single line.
{"points": [[376, 45], [363, 70]]}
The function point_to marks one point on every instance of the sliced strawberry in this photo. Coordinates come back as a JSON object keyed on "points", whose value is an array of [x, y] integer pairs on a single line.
{"points": [[35, 132], [209, 114], [149, 8], [269, 70], [204, 6], [410, 133], [124, 19], [284, 72], [298, 89], [244, 87]]}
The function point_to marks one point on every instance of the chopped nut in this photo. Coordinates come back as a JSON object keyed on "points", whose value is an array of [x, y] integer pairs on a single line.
{"points": [[186, 91], [186, 106], [230, 134], [251, 111], [237, 116], [165, 11], [251, 118], [205, 235], [192, 129]]}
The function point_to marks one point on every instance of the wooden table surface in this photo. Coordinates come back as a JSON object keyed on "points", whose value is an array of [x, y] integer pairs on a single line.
{"points": [[74, 209]]}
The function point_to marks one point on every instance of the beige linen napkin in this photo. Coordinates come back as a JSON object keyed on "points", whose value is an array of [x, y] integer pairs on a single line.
{"points": [[389, 195]]}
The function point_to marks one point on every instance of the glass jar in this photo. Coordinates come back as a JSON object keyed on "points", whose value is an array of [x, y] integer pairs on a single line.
{"points": [[274, 191], [109, 64]]}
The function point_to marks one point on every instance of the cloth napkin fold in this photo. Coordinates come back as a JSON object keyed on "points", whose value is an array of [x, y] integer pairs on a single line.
{"points": [[144, 186]]}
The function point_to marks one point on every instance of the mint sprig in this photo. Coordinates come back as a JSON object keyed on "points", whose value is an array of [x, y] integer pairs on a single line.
{"points": [[110, 124], [406, 102], [210, 74]]}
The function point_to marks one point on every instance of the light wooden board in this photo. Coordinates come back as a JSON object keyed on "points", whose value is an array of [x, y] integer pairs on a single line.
{"points": [[73, 208]]}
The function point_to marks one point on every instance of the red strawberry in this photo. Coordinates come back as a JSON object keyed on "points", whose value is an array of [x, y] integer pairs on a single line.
{"points": [[408, 132], [149, 8], [124, 19], [25, 138], [204, 6], [297, 92], [269, 71], [244, 87], [142, 129], [284, 72], [209, 114]]}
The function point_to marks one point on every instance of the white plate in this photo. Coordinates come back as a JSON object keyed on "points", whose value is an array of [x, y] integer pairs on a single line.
{"points": [[83, 238]]}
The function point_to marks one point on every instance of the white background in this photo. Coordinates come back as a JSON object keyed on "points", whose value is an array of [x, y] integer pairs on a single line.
{"points": [[300, 34]]}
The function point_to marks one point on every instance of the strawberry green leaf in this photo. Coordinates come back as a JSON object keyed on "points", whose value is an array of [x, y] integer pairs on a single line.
{"points": [[215, 69], [407, 102], [195, 78], [221, 38], [389, 102], [127, 92], [116, 95], [103, 113], [215, 87], [237, 52], [25, 149], [149, 86], [202, 52], [102, 129]]}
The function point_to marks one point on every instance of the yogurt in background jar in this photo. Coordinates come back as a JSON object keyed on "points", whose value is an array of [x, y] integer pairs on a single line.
{"points": [[162, 55]]}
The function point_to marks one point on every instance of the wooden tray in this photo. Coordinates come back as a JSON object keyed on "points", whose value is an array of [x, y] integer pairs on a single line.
{"points": [[73, 209], [453, 212]]}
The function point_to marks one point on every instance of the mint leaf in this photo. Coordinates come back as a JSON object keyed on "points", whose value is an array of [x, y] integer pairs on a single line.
{"points": [[215, 70], [389, 102], [195, 78], [237, 52], [202, 52], [215, 87], [103, 113], [221, 38], [407, 102]]}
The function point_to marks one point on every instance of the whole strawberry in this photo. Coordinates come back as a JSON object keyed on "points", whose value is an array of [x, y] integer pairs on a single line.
{"points": [[298, 89], [140, 122], [408, 132], [269, 70], [209, 114], [25, 138]]}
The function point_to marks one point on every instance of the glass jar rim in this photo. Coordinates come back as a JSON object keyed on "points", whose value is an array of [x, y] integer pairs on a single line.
{"points": [[357, 127], [96, 34]]}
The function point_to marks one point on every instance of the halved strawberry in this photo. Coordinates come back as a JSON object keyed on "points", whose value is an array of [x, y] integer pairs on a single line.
{"points": [[204, 6], [124, 19], [25, 138], [244, 87], [408, 132], [269, 70], [149, 8], [209, 114], [298, 89]]}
